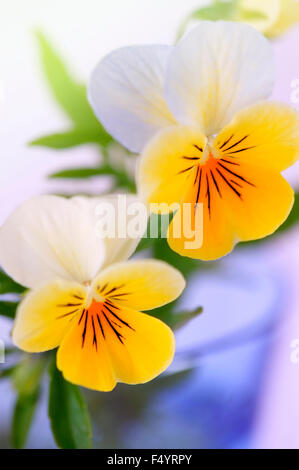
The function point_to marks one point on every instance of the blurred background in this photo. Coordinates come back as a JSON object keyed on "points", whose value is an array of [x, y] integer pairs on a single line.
{"points": [[235, 379]]}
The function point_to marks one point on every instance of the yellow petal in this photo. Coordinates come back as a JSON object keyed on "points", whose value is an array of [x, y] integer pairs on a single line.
{"points": [[265, 135], [238, 202], [45, 315], [265, 201], [168, 163], [289, 16], [141, 285], [114, 344], [201, 229]]}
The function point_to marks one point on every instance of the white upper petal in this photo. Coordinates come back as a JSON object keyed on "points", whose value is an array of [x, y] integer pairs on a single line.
{"points": [[121, 208], [50, 237], [215, 70], [126, 93]]}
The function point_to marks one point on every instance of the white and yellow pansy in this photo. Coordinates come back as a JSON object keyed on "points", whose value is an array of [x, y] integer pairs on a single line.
{"points": [[85, 297], [197, 114]]}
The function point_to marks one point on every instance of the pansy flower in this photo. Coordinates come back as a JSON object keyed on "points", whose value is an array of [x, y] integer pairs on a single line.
{"points": [[85, 297], [197, 114]]}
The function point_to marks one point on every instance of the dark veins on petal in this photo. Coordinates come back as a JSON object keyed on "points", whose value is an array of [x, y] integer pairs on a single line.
{"points": [[100, 317]]}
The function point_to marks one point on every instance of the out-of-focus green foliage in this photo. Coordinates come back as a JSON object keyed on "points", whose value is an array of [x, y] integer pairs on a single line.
{"points": [[22, 418], [71, 96], [174, 319], [187, 266], [8, 309], [122, 179], [7, 372], [67, 139], [8, 286], [221, 10], [218, 10], [293, 218], [159, 223], [69, 417], [26, 380], [181, 319], [85, 128]]}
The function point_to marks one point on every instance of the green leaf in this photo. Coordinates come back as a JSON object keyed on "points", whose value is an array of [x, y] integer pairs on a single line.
{"points": [[4, 373], [26, 380], [81, 173], [68, 93], [8, 309], [8, 285], [218, 11], [175, 320], [71, 138], [222, 10], [12, 350], [68, 413], [161, 250], [181, 319], [158, 223], [27, 374], [293, 218], [71, 96], [22, 418], [173, 379], [121, 178]]}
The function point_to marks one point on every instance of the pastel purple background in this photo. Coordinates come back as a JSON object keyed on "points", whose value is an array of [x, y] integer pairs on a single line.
{"points": [[245, 390]]}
